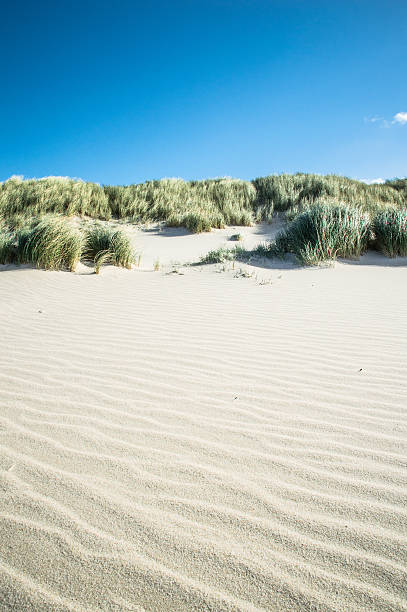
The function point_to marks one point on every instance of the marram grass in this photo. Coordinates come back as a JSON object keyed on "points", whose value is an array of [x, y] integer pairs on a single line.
{"points": [[224, 254], [106, 245], [50, 243], [8, 251], [323, 233], [196, 205], [56, 195], [294, 193], [329, 214], [390, 232]]}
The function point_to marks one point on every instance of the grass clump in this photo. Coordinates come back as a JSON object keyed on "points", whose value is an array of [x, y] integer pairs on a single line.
{"points": [[50, 243], [298, 192], [324, 233], [196, 221], [223, 254], [23, 199], [390, 231], [8, 251], [196, 205], [106, 245]]}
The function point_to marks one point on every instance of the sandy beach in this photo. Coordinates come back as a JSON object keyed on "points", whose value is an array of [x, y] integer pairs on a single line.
{"points": [[202, 439]]}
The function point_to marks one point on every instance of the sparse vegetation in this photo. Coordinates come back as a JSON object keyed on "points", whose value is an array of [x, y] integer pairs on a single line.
{"points": [[107, 245], [331, 216], [223, 254], [390, 231]]}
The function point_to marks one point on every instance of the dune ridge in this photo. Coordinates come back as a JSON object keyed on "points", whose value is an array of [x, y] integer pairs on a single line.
{"points": [[203, 442]]}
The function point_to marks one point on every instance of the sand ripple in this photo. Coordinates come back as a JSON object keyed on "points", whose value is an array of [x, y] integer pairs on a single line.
{"points": [[201, 442]]}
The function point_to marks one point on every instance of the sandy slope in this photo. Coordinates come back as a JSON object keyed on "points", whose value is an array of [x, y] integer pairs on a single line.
{"points": [[204, 442], [161, 245]]}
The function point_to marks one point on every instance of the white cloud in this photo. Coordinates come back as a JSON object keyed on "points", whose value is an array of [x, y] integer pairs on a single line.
{"points": [[400, 118], [376, 181]]}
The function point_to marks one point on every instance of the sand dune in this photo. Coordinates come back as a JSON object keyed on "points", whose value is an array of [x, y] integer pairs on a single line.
{"points": [[204, 442]]}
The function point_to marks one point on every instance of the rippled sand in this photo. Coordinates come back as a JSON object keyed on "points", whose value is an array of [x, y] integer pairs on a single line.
{"points": [[203, 442]]}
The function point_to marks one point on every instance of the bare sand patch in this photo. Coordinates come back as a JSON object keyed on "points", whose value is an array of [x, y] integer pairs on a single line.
{"points": [[204, 442]]}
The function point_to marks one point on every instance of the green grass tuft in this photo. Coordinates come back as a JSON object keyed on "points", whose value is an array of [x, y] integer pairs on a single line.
{"points": [[50, 243], [223, 254], [285, 192], [390, 231], [107, 245], [324, 233], [56, 195], [8, 251]]}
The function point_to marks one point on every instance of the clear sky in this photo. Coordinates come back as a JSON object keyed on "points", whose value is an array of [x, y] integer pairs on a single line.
{"points": [[123, 91]]}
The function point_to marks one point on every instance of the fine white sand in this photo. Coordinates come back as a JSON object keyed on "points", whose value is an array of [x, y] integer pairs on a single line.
{"points": [[203, 441]]}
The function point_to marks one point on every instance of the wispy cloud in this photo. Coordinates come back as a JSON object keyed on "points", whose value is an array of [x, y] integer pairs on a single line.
{"points": [[398, 118], [376, 181], [373, 119]]}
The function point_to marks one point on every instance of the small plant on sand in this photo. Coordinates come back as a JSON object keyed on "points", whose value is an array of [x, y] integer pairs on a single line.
{"points": [[236, 237], [268, 249], [242, 273], [224, 254], [50, 243], [107, 245], [390, 231]]}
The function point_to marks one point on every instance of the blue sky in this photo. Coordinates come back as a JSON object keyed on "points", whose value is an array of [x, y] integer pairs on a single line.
{"points": [[120, 92]]}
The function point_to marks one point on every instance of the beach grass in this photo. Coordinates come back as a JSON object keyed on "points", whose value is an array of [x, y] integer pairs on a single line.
{"points": [[197, 205], [49, 242], [8, 250], [104, 244], [23, 199], [329, 216], [224, 254], [390, 232], [323, 233], [294, 193]]}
